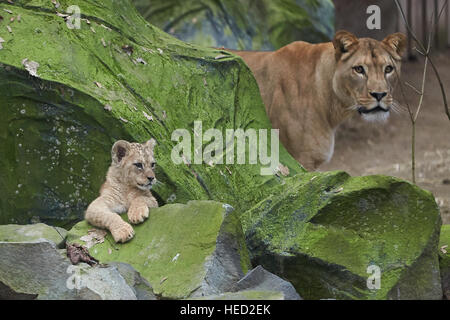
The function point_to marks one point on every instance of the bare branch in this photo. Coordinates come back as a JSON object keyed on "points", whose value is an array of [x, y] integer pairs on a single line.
{"points": [[423, 49], [426, 53], [423, 89]]}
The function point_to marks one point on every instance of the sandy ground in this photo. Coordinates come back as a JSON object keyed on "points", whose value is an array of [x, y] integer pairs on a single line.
{"points": [[366, 149]]}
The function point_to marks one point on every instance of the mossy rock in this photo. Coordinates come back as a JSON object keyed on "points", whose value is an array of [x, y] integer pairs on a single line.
{"points": [[56, 135], [322, 231], [32, 232], [243, 24], [444, 259], [184, 251]]}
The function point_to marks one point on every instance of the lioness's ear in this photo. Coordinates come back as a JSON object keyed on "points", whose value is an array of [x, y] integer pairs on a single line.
{"points": [[397, 43], [343, 41], [119, 150], [150, 144]]}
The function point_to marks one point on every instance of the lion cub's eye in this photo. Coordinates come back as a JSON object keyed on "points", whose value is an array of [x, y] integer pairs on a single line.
{"points": [[359, 69], [139, 165], [389, 69], [153, 165]]}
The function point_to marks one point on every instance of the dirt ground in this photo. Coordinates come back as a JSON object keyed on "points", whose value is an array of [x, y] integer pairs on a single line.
{"points": [[366, 149]]}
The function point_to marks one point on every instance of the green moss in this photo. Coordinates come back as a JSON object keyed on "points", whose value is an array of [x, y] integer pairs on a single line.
{"points": [[322, 231], [444, 245], [232, 228], [444, 258], [172, 248], [55, 135]]}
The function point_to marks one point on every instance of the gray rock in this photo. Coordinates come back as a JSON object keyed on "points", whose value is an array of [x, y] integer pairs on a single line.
{"points": [[38, 270], [143, 290], [446, 285], [260, 279], [98, 283], [245, 295], [230, 255], [257, 284]]}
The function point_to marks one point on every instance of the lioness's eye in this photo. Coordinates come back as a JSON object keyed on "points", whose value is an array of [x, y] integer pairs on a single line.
{"points": [[139, 165], [389, 69], [359, 69]]}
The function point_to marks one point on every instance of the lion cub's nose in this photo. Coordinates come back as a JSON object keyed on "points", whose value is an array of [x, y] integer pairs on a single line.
{"points": [[378, 95], [151, 179]]}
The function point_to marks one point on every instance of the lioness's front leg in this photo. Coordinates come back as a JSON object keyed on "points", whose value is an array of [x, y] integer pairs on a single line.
{"points": [[139, 208], [100, 215]]}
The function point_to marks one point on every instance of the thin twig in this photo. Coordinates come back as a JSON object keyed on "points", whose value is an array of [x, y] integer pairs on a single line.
{"points": [[423, 88], [423, 79]]}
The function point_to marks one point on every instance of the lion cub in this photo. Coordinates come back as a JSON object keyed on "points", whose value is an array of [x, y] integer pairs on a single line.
{"points": [[127, 188]]}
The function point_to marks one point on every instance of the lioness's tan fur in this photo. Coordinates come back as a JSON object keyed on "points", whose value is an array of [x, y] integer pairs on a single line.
{"points": [[309, 89], [127, 189]]}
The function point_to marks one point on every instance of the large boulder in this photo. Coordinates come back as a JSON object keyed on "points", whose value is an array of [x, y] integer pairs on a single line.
{"points": [[243, 24], [330, 234], [66, 95], [183, 250], [38, 270], [444, 259]]}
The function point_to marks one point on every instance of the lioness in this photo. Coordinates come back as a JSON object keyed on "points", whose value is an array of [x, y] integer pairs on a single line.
{"points": [[309, 89], [127, 188]]}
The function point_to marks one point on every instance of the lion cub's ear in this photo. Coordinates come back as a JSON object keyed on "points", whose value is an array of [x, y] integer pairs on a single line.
{"points": [[343, 41], [150, 144], [119, 150], [397, 43]]}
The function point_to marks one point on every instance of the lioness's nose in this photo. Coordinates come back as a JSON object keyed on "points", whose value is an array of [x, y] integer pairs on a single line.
{"points": [[150, 178], [378, 95]]}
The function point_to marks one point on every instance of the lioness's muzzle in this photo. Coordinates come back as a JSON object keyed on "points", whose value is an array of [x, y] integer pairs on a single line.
{"points": [[364, 110]]}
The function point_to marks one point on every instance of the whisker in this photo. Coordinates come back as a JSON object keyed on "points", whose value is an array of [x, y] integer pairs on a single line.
{"points": [[399, 106], [395, 108], [354, 107]]}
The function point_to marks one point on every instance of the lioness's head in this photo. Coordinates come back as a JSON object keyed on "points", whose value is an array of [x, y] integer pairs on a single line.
{"points": [[366, 72], [134, 163]]}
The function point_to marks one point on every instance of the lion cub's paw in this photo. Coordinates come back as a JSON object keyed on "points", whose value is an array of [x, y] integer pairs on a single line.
{"points": [[137, 214], [123, 232]]}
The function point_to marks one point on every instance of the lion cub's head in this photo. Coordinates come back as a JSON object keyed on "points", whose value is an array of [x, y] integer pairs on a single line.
{"points": [[366, 73], [134, 164]]}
